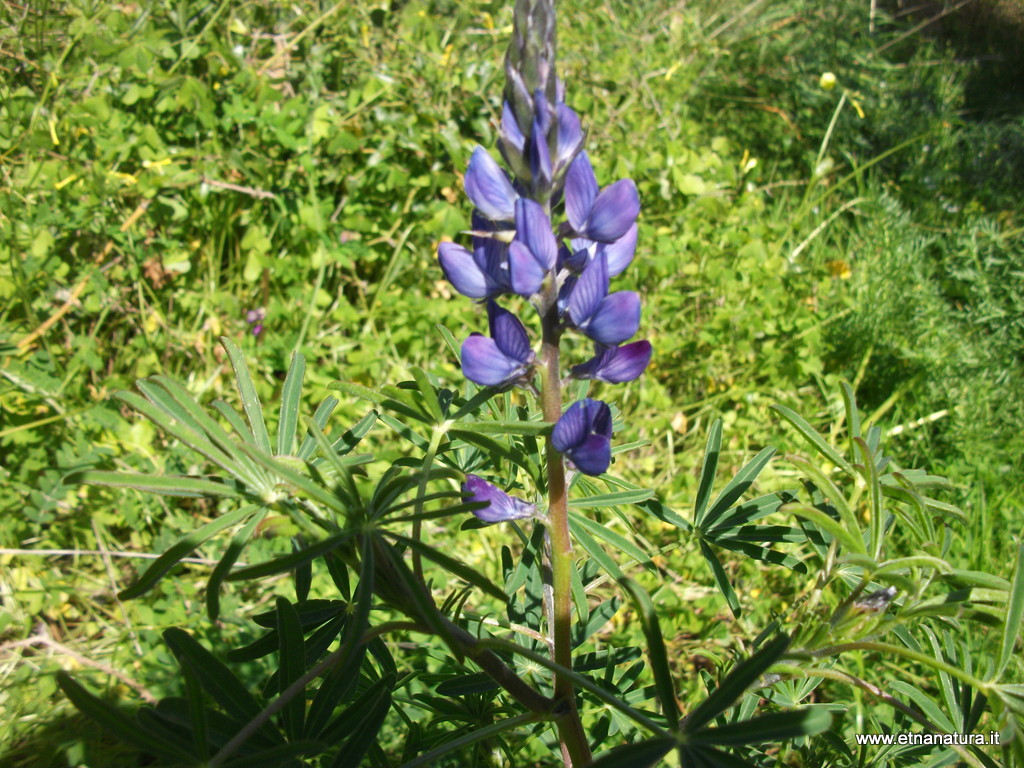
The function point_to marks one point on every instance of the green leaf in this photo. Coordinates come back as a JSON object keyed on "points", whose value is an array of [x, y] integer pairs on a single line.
{"points": [[640, 754], [113, 720], [772, 728], [291, 395], [735, 684], [227, 562], [507, 427], [595, 550], [320, 418], [292, 560], [656, 652], [450, 564], [737, 487], [247, 391], [181, 430], [851, 541], [748, 512], [292, 665], [166, 485], [614, 499], [360, 723], [428, 395], [1014, 612], [925, 703], [351, 437], [343, 678], [812, 437], [275, 757], [182, 548], [707, 472], [721, 578], [699, 756], [216, 678], [616, 540]]}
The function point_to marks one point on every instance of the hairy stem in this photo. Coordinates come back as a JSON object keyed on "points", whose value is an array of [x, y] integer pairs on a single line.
{"points": [[575, 749]]}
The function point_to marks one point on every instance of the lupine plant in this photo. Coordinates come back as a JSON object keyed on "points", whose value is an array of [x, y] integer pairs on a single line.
{"points": [[526, 677]]}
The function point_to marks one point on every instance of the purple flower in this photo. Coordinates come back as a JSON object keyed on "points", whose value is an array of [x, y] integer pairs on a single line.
{"points": [[478, 275], [616, 365], [534, 251], [602, 215], [606, 318], [619, 254], [500, 506], [489, 188], [584, 436], [506, 358]]}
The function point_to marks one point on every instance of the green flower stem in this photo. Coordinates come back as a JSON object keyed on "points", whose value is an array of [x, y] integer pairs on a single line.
{"points": [[575, 749]]}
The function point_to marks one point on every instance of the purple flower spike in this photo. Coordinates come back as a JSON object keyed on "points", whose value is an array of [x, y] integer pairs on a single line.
{"points": [[604, 215], [500, 506], [607, 319], [506, 358], [584, 436], [534, 251], [616, 365], [489, 188]]}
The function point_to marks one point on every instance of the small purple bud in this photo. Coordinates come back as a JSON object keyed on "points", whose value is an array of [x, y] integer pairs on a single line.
{"points": [[500, 506], [583, 435], [257, 329]]}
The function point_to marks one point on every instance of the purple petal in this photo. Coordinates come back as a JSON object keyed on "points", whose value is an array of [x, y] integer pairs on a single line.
{"points": [[620, 253], [485, 364], [613, 212], [526, 274], [489, 188], [580, 191], [462, 271], [509, 334], [570, 135], [616, 319], [616, 365], [509, 130], [594, 366], [571, 429], [600, 416], [502, 507], [590, 290], [533, 228], [538, 155], [593, 456]]}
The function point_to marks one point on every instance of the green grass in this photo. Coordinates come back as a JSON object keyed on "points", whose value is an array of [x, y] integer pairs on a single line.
{"points": [[167, 170]]}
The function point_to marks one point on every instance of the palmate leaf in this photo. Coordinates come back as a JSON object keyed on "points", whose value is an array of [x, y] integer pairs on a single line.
{"points": [[292, 665]]}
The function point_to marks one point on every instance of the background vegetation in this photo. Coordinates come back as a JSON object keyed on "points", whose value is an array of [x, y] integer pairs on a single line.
{"points": [[168, 168]]}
